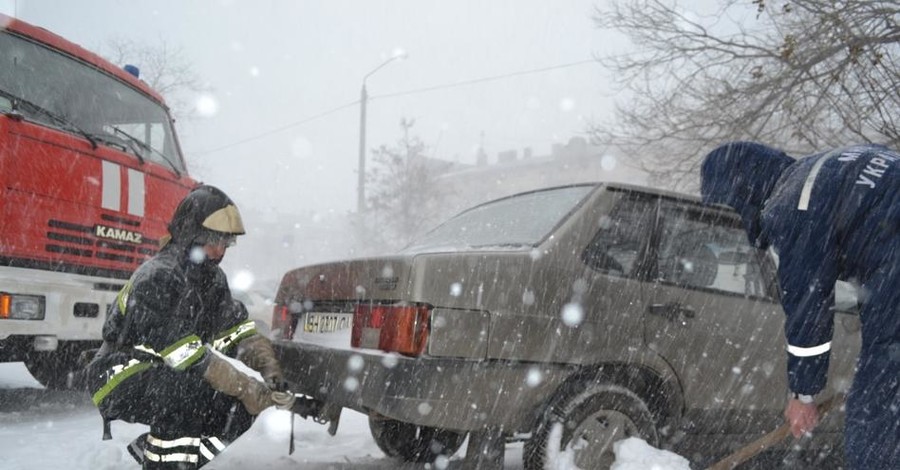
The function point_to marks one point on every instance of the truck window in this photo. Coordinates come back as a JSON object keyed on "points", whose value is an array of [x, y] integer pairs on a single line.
{"points": [[59, 91]]}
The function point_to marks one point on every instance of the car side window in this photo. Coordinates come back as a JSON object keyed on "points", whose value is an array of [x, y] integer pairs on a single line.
{"points": [[707, 250], [622, 236]]}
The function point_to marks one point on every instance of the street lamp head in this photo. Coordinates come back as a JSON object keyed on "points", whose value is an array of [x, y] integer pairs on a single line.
{"points": [[399, 54]]}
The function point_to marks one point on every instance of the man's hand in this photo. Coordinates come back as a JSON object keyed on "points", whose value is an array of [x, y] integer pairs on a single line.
{"points": [[802, 417]]}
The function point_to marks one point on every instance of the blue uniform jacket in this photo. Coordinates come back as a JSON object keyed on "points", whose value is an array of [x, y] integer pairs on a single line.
{"points": [[831, 216], [828, 216]]}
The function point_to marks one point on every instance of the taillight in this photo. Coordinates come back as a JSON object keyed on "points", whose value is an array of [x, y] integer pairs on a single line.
{"points": [[282, 320], [395, 328]]}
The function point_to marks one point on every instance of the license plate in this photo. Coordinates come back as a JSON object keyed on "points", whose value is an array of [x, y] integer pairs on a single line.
{"points": [[314, 322]]}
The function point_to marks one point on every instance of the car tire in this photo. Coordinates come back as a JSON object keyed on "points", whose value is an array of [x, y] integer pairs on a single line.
{"points": [[585, 419], [413, 443]]}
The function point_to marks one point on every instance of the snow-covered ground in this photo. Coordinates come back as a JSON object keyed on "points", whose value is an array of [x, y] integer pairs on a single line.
{"points": [[41, 429]]}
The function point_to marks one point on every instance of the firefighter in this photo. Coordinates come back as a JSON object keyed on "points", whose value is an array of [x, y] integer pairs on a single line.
{"points": [[162, 362], [830, 216]]}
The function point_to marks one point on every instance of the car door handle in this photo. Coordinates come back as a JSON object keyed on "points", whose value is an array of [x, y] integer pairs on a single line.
{"points": [[672, 311]]}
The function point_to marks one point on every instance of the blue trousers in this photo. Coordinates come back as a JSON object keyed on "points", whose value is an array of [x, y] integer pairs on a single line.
{"points": [[872, 429]]}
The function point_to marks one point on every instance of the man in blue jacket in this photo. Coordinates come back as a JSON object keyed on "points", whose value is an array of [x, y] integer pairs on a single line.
{"points": [[830, 216]]}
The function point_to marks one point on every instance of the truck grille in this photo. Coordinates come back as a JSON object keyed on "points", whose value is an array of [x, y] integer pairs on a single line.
{"points": [[80, 240]]}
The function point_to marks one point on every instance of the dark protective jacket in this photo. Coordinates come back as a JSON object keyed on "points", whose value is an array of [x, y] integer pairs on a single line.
{"points": [[167, 314], [830, 216]]}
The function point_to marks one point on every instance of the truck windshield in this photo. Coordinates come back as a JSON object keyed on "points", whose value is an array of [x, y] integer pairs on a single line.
{"points": [[67, 94], [515, 222]]}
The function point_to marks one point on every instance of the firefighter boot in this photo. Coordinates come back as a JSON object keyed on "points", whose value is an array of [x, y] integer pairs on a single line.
{"points": [[136, 447], [210, 447]]}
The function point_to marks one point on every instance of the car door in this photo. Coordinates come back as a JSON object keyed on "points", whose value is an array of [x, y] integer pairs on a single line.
{"points": [[712, 313], [615, 260]]}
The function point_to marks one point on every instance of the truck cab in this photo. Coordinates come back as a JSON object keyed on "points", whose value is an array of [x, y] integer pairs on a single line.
{"points": [[90, 173]]}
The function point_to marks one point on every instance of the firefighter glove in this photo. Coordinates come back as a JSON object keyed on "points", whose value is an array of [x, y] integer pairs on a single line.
{"points": [[257, 352], [256, 396]]}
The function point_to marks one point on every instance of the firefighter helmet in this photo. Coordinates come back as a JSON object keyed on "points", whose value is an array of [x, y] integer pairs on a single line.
{"points": [[205, 215]]}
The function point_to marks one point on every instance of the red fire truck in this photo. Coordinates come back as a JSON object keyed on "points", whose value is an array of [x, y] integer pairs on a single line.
{"points": [[90, 173]]}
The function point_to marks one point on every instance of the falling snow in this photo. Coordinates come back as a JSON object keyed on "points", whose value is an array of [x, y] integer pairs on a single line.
{"points": [[572, 314], [456, 289], [520, 268]]}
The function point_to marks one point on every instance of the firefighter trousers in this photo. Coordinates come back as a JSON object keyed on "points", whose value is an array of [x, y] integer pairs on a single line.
{"points": [[190, 422]]}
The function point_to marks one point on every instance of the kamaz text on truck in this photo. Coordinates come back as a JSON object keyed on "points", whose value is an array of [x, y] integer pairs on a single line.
{"points": [[90, 172]]}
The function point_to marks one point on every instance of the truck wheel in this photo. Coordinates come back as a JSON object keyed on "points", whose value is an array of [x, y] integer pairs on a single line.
{"points": [[52, 368], [413, 443], [585, 421]]}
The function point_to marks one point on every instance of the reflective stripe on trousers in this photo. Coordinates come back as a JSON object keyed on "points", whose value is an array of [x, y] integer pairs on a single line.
{"points": [[171, 453], [162, 453]]}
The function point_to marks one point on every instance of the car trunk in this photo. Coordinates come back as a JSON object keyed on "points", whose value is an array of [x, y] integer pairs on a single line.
{"points": [[320, 300]]}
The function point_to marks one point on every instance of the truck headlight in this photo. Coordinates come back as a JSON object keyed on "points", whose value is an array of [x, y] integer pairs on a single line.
{"points": [[21, 307]]}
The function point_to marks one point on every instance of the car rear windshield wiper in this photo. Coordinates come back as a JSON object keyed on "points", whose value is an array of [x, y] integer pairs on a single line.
{"points": [[140, 143], [60, 121]]}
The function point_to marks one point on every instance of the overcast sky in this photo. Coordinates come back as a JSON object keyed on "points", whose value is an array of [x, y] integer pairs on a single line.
{"points": [[279, 70]]}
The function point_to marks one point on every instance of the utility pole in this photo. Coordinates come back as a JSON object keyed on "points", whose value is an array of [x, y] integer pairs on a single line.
{"points": [[363, 99], [361, 177]]}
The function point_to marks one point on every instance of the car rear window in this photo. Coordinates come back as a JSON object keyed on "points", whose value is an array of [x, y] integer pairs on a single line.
{"points": [[514, 222]]}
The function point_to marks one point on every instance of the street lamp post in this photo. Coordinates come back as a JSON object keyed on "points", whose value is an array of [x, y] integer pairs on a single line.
{"points": [[363, 99]]}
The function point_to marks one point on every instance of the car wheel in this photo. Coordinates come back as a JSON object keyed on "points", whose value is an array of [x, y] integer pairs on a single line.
{"points": [[585, 420], [413, 443]]}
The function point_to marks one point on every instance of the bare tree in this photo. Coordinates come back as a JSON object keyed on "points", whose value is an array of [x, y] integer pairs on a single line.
{"points": [[801, 75], [163, 67], [404, 199]]}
